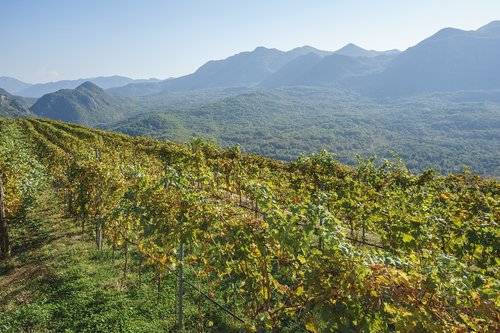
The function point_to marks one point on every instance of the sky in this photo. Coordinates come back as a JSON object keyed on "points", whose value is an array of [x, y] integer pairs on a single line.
{"points": [[51, 40]]}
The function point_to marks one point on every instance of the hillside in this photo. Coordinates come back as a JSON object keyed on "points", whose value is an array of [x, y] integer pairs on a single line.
{"points": [[267, 246], [428, 126], [11, 106], [450, 60], [87, 104], [442, 131], [436, 104]]}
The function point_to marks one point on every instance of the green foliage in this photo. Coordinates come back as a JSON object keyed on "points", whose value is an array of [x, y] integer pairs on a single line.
{"points": [[444, 131], [312, 244], [23, 175], [11, 106]]}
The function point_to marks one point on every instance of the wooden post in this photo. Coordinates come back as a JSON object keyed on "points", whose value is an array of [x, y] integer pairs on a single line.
{"points": [[181, 281], [4, 228], [98, 225], [181, 270], [126, 262]]}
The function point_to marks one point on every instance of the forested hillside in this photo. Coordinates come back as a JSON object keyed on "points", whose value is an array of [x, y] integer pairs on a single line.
{"points": [[436, 104], [446, 131], [123, 224], [88, 104], [10, 106]]}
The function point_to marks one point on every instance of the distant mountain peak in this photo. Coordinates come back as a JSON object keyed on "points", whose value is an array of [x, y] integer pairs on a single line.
{"points": [[303, 50], [86, 104], [263, 49], [491, 25], [447, 32], [12, 85], [40, 89], [353, 46], [90, 86], [491, 29], [353, 50]]}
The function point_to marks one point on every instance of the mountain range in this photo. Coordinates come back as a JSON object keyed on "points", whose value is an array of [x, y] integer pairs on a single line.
{"points": [[450, 60], [20, 88], [256, 68], [437, 103]]}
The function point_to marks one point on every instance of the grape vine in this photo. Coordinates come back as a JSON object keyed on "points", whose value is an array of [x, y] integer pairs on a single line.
{"points": [[313, 242]]}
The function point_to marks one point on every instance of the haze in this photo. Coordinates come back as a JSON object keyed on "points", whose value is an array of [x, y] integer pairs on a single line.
{"points": [[53, 40]]}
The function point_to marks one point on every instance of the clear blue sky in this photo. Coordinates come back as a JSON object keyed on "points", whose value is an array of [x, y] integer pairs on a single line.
{"points": [[50, 40]]}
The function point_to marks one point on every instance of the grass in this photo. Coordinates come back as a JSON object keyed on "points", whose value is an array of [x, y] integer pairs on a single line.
{"points": [[56, 281]]}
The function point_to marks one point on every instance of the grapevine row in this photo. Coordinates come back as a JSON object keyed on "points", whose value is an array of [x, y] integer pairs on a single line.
{"points": [[278, 234]]}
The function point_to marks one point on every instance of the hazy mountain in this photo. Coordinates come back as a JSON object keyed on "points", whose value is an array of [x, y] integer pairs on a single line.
{"points": [[313, 70], [10, 106], [270, 68], [450, 60], [491, 29], [442, 112], [106, 82], [242, 69], [352, 50], [138, 89], [13, 85], [87, 104], [335, 68], [304, 50], [292, 73]]}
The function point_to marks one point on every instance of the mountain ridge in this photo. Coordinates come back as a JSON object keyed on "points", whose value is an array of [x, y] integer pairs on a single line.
{"points": [[449, 60], [39, 89], [12, 85], [87, 104], [248, 68], [352, 50], [11, 106]]}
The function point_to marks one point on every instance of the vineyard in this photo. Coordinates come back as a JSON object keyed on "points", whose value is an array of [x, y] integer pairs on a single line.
{"points": [[309, 245]]}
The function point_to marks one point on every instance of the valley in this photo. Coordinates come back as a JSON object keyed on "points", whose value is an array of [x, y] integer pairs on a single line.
{"points": [[268, 190], [350, 102]]}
